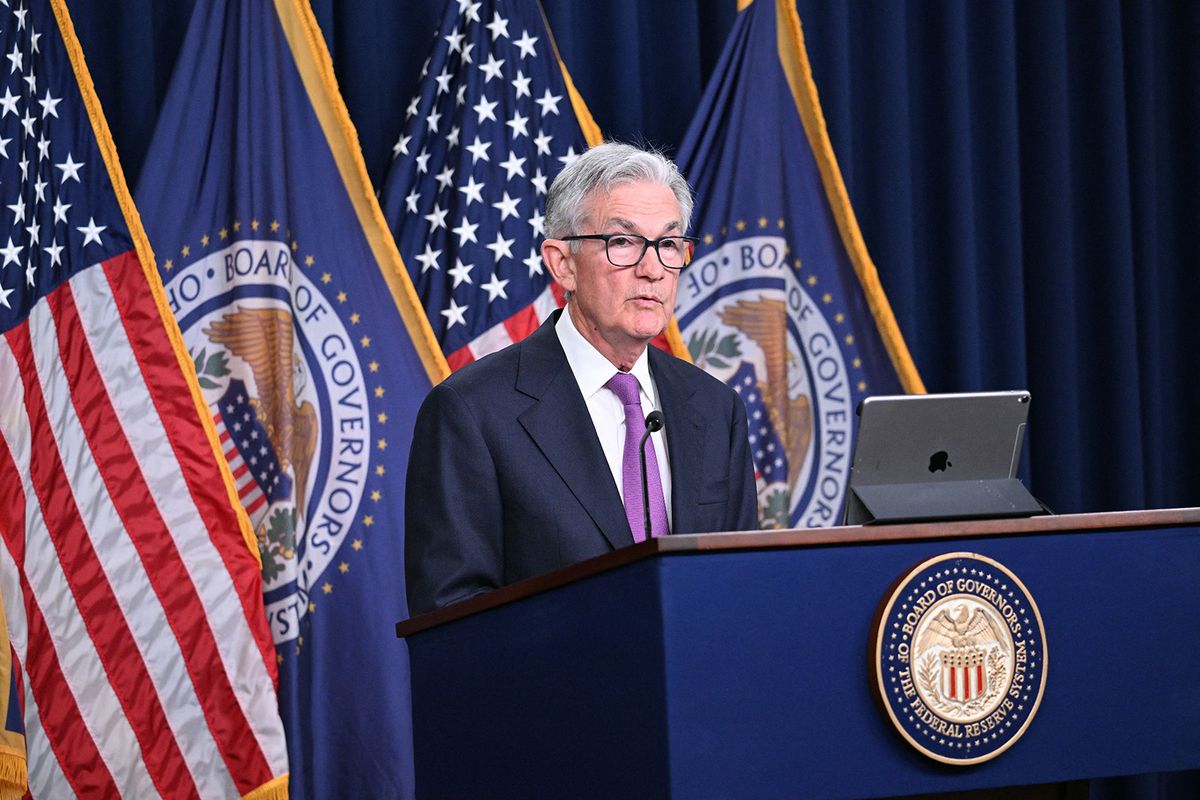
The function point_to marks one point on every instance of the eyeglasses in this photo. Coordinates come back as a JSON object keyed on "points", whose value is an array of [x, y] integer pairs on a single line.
{"points": [[628, 249]]}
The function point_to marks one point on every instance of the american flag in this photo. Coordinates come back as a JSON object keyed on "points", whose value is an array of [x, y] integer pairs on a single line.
{"points": [[132, 597], [465, 196]]}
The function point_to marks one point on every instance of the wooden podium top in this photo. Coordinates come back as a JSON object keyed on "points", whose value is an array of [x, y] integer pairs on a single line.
{"points": [[801, 537]]}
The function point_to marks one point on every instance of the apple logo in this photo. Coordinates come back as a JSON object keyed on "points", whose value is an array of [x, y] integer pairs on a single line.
{"points": [[939, 461]]}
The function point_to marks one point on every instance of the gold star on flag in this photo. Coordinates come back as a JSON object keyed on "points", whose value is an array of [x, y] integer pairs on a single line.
{"points": [[762, 222], [356, 544], [237, 226], [308, 261], [355, 318], [381, 444], [373, 366], [850, 339], [343, 567], [827, 298], [204, 240], [223, 233], [326, 277], [365, 341], [186, 251], [341, 297], [812, 280], [381, 417], [169, 265], [375, 495], [274, 225], [368, 521], [253, 224], [379, 391], [327, 588], [740, 225], [379, 470]]}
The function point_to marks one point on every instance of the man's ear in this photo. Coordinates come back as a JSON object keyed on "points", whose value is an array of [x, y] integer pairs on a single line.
{"points": [[556, 254]]}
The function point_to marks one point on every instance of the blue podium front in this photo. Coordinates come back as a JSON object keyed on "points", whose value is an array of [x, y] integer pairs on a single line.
{"points": [[741, 665]]}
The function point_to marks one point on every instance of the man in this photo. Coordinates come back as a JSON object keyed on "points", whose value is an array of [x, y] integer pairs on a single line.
{"points": [[526, 460]]}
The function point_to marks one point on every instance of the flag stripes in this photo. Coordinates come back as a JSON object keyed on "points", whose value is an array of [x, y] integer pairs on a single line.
{"points": [[127, 676]]}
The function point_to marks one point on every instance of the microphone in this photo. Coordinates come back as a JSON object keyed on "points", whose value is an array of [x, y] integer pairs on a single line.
{"points": [[654, 423]]}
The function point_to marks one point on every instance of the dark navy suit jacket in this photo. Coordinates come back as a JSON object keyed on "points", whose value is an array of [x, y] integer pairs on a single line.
{"points": [[507, 478]]}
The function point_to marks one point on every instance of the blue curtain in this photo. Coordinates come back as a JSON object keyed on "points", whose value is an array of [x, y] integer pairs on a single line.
{"points": [[1025, 175]]}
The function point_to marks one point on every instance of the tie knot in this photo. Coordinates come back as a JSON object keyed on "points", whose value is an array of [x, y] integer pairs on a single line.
{"points": [[625, 386]]}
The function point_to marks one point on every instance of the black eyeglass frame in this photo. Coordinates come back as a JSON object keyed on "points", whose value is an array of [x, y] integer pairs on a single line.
{"points": [[646, 244]]}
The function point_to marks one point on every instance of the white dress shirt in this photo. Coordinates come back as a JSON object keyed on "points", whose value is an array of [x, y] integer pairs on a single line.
{"points": [[592, 370]]}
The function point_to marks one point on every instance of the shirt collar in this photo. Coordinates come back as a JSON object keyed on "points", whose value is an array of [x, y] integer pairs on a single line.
{"points": [[591, 369]]}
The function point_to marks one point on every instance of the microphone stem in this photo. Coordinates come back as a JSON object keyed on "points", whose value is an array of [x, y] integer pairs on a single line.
{"points": [[645, 489]]}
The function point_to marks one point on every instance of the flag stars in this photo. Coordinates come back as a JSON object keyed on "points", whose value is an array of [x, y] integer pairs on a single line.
{"points": [[91, 232], [9, 103], [355, 318], [309, 261], [204, 240], [274, 226], [254, 225], [18, 208], [379, 470], [513, 166], [526, 43], [373, 366], [376, 496], [70, 169], [381, 418], [400, 148], [185, 251], [486, 109], [27, 122], [326, 277], [11, 252], [381, 444], [454, 314], [223, 233], [368, 520], [827, 298], [740, 225], [539, 181], [538, 223], [423, 161], [443, 80], [780, 223], [549, 103], [433, 120], [357, 545], [708, 238], [472, 190], [4, 147], [495, 288], [461, 272], [436, 218], [168, 265], [762, 222], [862, 386], [341, 297], [237, 225], [521, 85], [839, 318], [343, 567], [849, 340], [17, 58], [812, 280], [519, 125], [327, 588], [429, 259], [43, 146], [569, 157], [49, 105], [445, 180], [466, 232], [470, 11], [501, 248], [498, 26], [507, 206], [491, 68], [365, 341], [478, 151], [534, 262]]}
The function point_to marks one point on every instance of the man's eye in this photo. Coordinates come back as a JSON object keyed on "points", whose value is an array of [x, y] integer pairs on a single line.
{"points": [[621, 241], [668, 243]]}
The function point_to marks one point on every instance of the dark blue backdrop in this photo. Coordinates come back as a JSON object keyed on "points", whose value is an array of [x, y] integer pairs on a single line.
{"points": [[1025, 175]]}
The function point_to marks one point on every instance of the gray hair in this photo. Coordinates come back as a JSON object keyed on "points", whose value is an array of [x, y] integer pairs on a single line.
{"points": [[603, 168]]}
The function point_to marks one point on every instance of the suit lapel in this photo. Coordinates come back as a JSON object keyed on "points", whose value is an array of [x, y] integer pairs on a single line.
{"points": [[561, 426], [685, 429]]}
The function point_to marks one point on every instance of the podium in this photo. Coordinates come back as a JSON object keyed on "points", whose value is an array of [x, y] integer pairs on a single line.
{"points": [[740, 665]]}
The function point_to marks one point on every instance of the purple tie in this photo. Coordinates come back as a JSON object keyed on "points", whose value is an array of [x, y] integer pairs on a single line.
{"points": [[625, 387]]}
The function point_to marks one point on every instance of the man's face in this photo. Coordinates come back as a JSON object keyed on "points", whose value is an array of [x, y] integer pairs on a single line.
{"points": [[618, 309]]}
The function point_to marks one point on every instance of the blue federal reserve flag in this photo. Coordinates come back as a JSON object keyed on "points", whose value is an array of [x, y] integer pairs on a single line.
{"points": [[781, 300], [313, 353]]}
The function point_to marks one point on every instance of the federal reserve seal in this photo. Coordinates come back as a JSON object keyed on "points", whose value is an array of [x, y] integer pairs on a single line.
{"points": [[289, 398], [777, 335], [960, 658]]}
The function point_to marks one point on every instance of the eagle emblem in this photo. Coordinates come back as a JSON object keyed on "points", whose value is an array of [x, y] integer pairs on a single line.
{"points": [[764, 321], [264, 339], [966, 635]]}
